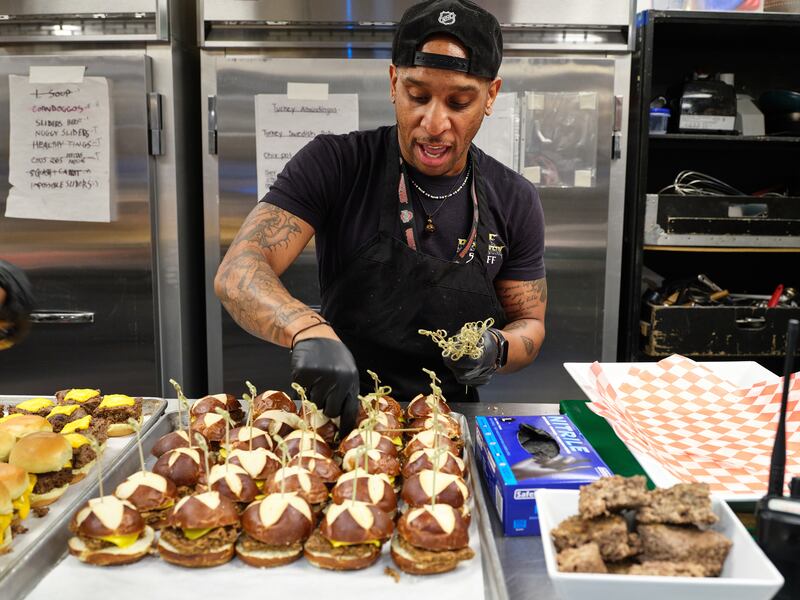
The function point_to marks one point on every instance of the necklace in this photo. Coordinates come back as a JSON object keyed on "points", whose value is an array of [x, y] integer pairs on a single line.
{"points": [[430, 227]]}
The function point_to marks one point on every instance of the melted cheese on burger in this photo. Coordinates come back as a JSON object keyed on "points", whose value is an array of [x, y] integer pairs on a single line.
{"points": [[77, 425], [116, 401], [76, 440], [63, 409], [81, 395], [35, 404], [22, 505]]}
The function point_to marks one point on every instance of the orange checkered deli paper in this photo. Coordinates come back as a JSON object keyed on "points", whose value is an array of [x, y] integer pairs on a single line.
{"points": [[699, 427]]}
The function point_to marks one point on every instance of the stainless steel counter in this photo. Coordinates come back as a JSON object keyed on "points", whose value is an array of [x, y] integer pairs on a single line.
{"points": [[522, 557]]}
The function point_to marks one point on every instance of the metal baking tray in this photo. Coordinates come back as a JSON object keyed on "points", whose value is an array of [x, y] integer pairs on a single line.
{"points": [[34, 553], [493, 578]]}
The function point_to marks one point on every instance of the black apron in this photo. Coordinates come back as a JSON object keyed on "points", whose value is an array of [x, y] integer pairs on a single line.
{"points": [[389, 291]]}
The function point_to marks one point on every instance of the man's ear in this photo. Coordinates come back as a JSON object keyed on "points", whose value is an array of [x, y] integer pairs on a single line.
{"points": [[494, 89], [393, 82]]}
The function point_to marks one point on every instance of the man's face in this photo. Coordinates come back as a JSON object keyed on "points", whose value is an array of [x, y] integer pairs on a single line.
{"points": [[439, 111]]}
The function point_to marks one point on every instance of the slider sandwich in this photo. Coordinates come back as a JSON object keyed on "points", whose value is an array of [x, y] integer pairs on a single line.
{"points": [[234, 483], [298, 480], [117, 409], [259, 463], [210, 404], [211, 426], [385, 404], [20, 486], [322, 466], [62, 414], [386, 424], [372, 488], [109, 531], [273, 400], [45, 455], [6, 518], [429, 459], [419, 408], [202, 531], [428, 439], [277, 422], [428, 487], [376, 462], [35, 406], [325, 427], [349, 538], [274, 530], [19, 425], [447, 425], [92, 427], [304, 440], [240, 439], [7, 442], [184, 467], [371, 439], [171, 441], [431, 539], [151, 494], [83, 455], [87, 398]]}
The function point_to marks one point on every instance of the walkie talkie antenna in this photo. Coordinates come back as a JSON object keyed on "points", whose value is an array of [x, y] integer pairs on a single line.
{"points": [[777, 467]]}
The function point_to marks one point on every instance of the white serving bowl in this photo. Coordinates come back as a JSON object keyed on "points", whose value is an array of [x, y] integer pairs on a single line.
{"points": [[747, 574]]}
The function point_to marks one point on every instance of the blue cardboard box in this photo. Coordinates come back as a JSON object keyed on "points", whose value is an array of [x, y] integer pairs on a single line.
{"points": [[518, 455]]}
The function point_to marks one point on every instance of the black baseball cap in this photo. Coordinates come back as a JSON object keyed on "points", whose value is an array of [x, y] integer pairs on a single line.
{"points": [[476, 28]]}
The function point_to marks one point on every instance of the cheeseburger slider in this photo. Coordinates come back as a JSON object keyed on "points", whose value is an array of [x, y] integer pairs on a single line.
{"points": [[431, 539], [211, 426], [259, 463], [202, 531], [302, 441], [325, 468], [371, 439], [45, 455], [385, 404], [234, 483], [376, 462], [349, 538], [36, 406], [117, 409], [240, 439], [273, 400], [62, 414], [210, 404], [274, 530], [441, 488], [427, 439], [151, 494], [171, 441], [19, 425], [298, 480], [92, 427], [185, 467], [7, 442], [87, 398], [20, 486], [325, 427], [277, 422], [83, 455], [372, 488], [447, 425], [6, 517], [419, 407], [386, 424], [429, 460], [109, 531]]}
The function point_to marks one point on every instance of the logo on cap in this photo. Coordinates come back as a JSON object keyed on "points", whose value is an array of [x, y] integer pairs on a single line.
{"points": [[447, 17]]}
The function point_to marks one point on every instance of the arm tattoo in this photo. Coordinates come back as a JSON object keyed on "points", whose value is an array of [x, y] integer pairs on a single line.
{"points": [[520, 297], [528, 345], [249, 289]]}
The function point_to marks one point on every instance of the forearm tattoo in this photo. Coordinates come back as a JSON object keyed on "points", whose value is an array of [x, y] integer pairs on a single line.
{"points": [[248, 287], [519, 298]]}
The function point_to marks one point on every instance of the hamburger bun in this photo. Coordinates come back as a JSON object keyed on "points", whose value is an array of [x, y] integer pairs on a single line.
{"points": [[233, 482], [147, 491], [419, 408], [47, 498], [170, 441], [301, 441], [24, 425], [426, 460], [7, 442], [184, 466], [307, 485], [6, 510], [15, 479], [325, 427], [377, 462], [240, 438], [432, 539], [259, 463], [41, 452], [209, 404], [322, 554], [273, 400], [204, 511], [210, 425], [275, 529], [448, 425], [121, 429], [371, 488], [372, 439], [277, 422], [323, 467], [427, 439], [421, 488], [388, 425], [385, 404], [207, 558]]}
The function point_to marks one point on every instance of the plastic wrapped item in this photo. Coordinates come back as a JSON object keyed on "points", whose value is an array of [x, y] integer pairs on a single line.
{"points": [[658, 120]]}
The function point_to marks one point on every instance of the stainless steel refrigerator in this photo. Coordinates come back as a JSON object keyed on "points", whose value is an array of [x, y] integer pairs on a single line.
{"points": [[119, 303], [566, 68]]}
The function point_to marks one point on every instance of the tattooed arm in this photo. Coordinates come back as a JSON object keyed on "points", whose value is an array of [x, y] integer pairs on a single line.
{"points": [[525, 303], [248, 282]]}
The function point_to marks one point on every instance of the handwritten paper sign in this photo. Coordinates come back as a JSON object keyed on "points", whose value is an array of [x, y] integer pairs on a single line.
{"points": [[284, 126], [59, 158], [499, 132]]}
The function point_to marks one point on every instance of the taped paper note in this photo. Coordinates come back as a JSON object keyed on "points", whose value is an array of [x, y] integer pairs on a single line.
{"points": [[60, 151], [533, 174], [284, 126], [583, 178], [306, 91], [499, 132], [49, 74]]}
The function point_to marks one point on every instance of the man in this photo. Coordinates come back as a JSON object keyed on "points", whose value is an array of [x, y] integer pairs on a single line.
{"points": [[415, 229], [16, 302]]}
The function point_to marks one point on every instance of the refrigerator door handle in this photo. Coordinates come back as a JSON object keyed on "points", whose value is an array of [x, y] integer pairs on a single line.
{"points": [[62, 317]]}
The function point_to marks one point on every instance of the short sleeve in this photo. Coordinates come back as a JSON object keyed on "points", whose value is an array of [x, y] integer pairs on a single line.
{"points": [[310, 182], [525, 259]]}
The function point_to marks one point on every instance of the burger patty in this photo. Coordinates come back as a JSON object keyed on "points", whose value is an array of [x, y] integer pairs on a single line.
{"points": [[430, 558], [12, 410], [252, 545], [94, 543], [98, 429], [154, 518], [319, 544], [83, 456], [46, 482], [213, 539], [120, 414]]}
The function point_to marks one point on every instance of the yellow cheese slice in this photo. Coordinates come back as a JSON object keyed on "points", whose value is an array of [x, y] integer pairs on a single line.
{"points": [[76, 440], [5, 521], [116, 401], [194, 534], [64, 409], [22, 505], [340, 544], [121, 541], [77, 425], [35, 404], [81, 395]]}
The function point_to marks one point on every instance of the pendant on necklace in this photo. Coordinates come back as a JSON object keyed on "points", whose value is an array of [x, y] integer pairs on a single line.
{"points": [[429, 226]]}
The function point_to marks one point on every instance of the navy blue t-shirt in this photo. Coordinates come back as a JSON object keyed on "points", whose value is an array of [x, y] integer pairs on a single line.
{"points": [[332, 181]]}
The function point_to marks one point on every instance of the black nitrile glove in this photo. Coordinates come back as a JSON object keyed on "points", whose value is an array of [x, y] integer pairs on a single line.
{"points": [[17, 307], [472, 371], [328, 372]]}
